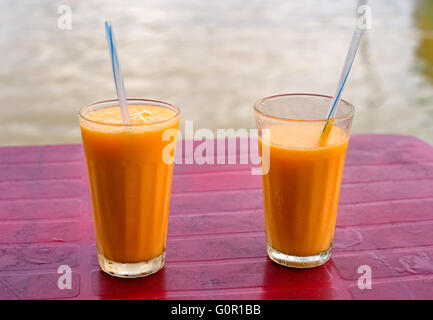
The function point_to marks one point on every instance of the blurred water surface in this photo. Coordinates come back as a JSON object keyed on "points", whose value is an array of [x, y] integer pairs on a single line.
{"points": [[213, 59]]}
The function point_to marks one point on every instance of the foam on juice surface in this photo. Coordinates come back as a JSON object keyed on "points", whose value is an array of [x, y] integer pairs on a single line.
{"points": [[139, 114], [305, 136]]}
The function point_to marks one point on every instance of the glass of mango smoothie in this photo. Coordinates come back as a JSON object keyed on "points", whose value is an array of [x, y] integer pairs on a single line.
{"points": [[305, 166], [130, 168]]}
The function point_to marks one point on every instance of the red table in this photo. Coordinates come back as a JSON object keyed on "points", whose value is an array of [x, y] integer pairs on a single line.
{"points": [[216, 245]]}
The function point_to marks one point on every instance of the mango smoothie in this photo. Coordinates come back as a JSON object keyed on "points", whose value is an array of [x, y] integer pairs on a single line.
{"points": [[302, 187], [130, 185], [303, 154]]}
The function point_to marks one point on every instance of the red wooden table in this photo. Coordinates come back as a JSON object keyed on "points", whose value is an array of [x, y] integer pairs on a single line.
{"points": [[216, 245]]}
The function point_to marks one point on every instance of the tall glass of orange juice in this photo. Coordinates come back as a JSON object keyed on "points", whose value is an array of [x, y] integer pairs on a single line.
{"points": [[130, 168], [302, 182]]}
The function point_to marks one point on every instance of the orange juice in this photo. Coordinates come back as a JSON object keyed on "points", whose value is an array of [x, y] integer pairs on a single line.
{"points": [[130, 184], [302, 187]]}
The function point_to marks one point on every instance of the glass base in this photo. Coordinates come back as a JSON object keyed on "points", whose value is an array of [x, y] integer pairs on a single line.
{"points": [[299, 262], [131, 270]]}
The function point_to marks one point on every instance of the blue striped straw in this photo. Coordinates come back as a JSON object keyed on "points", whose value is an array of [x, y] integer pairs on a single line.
{"points": [[354, 45], [117, 74]]}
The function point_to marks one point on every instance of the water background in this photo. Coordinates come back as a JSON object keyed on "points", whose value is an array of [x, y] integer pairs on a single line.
{"points": [[213, 59]]}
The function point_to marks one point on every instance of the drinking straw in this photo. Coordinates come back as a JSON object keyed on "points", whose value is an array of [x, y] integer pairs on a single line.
{"points": [[353, 48], [354, 45], [117, 74]]}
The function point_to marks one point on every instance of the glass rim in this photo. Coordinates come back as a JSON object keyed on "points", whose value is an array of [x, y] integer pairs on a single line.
{"points": [[172, 107], [262, 100]]}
